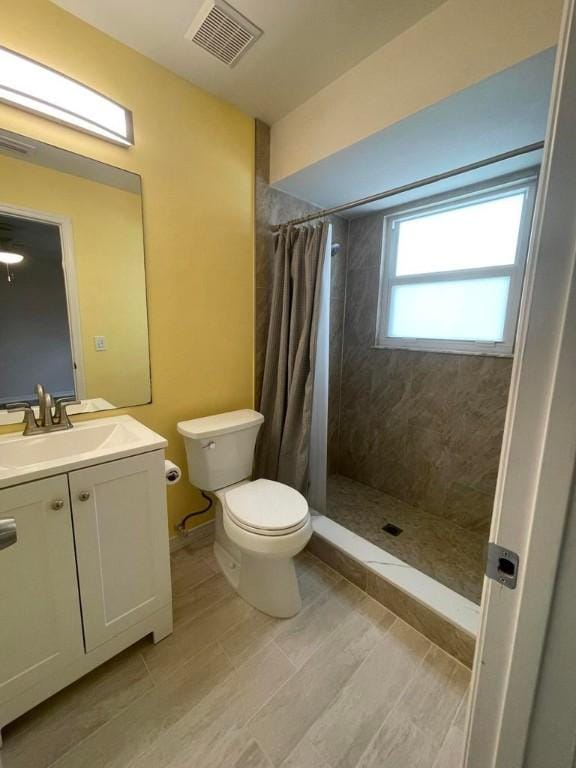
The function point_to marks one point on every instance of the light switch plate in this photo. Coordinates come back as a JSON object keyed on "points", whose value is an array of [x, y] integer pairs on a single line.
{"points": [[100, 343]]}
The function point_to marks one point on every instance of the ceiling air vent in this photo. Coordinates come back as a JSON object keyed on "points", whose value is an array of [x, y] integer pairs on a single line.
{"points": [[223, 31]]}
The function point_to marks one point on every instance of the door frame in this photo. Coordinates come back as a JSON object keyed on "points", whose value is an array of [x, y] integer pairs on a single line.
{"points": [[70, 281], [535, 483]]}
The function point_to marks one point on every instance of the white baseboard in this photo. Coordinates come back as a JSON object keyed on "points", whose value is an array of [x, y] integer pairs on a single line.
{"points": [[198, 536]]}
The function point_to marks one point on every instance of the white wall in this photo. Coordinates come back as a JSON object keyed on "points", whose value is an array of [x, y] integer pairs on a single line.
{"points": [[454, 47], [503, 112]]}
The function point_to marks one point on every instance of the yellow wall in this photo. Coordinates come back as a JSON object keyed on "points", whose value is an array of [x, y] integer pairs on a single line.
{"points": [[108, 253], [457, 45], [195, 155]]}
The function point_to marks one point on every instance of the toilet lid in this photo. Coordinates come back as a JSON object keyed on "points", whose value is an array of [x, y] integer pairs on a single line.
{"points": [[267, 507]]}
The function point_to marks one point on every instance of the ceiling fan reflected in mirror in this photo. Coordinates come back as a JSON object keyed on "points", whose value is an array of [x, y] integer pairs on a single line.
{"points": [[10, 253]]}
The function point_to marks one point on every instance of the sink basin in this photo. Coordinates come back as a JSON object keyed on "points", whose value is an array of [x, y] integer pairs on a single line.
{"points": [[60, 445], [86, 443]]}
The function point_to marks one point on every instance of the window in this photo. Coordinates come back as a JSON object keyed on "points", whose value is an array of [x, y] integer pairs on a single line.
{"points": [[452, 271]]}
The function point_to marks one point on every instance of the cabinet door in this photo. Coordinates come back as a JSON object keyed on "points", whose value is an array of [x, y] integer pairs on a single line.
{"points": [[40, 626], [121, 533]]}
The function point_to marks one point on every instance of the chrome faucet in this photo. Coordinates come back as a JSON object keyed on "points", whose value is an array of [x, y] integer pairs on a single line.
{"points": [[44, 405], [48, 420]]}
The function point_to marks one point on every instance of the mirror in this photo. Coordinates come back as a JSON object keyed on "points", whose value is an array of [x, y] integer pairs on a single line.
{"points": [[71, 242]]}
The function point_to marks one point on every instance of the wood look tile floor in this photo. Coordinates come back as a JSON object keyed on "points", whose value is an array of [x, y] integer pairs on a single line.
{"points": [[345, 684]]}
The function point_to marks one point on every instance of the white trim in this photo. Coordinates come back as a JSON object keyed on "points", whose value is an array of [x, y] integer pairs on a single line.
{"points": [[72, 298], [71, 284], [415, 346], [537, 466], [515, 271]]}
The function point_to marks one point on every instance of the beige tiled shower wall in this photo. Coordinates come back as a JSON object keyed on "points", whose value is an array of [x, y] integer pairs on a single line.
{"points": [[274, 207], [423, 426]]}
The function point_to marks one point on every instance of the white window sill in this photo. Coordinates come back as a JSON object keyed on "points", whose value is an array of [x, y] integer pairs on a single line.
{"points": [[482, 352]]}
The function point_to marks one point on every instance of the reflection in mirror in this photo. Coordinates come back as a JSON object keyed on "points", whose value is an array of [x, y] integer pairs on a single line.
{"points": [[71, 241]]}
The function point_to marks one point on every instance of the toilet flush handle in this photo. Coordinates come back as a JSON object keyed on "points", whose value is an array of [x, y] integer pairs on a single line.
{"points": [[210, 445]]}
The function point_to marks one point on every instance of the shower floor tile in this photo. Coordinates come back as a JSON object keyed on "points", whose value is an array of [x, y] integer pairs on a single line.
{"points": [[452, 555]]}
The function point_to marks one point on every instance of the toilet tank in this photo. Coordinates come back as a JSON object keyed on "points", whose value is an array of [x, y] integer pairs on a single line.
{"points": [[220, 448]]}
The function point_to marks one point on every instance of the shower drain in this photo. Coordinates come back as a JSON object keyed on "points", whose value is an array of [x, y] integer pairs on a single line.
{"points": [[392, 529]]}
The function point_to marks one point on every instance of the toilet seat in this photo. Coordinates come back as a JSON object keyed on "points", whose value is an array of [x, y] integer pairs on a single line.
{"points": [[267, 508]]}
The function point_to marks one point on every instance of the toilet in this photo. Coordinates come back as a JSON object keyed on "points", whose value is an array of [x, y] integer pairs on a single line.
{"points": [[261, 525]]}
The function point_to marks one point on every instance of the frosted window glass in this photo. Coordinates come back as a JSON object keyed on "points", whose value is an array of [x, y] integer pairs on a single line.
{"points": [[464, 310], [480, 235]]}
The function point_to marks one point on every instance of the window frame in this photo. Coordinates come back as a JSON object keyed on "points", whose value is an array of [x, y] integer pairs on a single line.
{"points": [[452, 201]]}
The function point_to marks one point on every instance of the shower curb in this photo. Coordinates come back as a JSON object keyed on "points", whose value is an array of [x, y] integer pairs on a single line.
{"points": [[457, 640]]}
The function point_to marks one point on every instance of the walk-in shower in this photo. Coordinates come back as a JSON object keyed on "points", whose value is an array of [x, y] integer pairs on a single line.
{"points": [[423, 305], [416, 343]]}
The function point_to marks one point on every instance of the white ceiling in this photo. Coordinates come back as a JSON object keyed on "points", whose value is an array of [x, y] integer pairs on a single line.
{"points": [[306, 43], [499, 114]]}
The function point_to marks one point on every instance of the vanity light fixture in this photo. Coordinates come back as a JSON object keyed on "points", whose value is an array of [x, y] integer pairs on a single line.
{"points": [[31, 86]]}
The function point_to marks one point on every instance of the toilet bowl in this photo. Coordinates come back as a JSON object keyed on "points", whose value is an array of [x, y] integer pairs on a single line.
{"points": [[261, 525], [269, 524]]}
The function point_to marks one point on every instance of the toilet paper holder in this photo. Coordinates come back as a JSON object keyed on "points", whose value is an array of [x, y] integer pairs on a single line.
{"points": [[172, 472]]}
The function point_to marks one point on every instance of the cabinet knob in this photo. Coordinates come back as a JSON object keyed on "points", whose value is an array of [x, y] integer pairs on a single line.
{"points": [[58, 504], [84, 495]]}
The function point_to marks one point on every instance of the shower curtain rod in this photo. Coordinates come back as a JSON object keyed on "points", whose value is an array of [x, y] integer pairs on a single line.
{"points": [[416, 184]]}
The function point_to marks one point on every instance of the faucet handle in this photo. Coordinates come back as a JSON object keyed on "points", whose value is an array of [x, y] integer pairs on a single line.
{"points": [[29, 419], [15, 407], [61, 415]]}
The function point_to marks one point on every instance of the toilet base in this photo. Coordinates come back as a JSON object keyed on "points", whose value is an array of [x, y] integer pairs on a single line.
{"points": [[268, 584], [229, 566]]}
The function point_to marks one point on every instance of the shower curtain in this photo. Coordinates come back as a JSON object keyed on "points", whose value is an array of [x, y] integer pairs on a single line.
{"points": [[283, 450]]}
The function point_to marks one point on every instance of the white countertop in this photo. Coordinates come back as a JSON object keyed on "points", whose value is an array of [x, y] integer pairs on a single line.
{"points": [[89, 442]]}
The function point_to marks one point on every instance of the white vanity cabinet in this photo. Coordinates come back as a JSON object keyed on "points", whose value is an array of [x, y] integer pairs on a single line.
{"points": [[123, 572], [88, 575], [40, 620]]}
